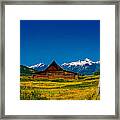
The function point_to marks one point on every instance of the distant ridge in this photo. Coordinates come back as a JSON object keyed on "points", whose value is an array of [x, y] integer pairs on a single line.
{"points": [[26, 71], [83, 67]]}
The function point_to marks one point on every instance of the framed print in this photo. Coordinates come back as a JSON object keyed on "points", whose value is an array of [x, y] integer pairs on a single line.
{"points": [[60, 60]]}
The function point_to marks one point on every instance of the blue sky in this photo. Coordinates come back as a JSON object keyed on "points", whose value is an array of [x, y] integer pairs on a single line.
{"points": [[60, 40]]}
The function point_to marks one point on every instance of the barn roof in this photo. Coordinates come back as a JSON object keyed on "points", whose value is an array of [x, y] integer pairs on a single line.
{"points": [[53, 67]]}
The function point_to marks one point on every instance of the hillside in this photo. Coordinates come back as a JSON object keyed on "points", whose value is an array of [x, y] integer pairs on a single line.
{"points": [[25, 71]]}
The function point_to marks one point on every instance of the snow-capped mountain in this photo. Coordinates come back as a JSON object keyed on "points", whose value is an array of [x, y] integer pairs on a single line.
{"points": [[83, 67], [39, 67], [81, 63], [86, 67]]}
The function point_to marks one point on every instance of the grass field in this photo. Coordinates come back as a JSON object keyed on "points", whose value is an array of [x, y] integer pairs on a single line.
{"points": [[85, 88]]}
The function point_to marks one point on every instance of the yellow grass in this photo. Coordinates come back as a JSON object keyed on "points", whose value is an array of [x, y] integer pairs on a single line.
{"points": [[43, 89]]}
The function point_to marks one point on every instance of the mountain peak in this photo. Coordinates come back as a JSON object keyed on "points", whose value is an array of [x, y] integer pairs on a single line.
{"points": [[79, 63], [37, 65], [85, 67], [87, 59]]}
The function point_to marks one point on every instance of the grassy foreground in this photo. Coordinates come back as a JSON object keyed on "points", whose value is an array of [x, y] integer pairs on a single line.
{"points": [[85, 88]]}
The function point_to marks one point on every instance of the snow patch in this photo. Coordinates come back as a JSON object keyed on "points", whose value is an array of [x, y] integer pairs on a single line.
{"points": [[81, 63], [37, 65]]}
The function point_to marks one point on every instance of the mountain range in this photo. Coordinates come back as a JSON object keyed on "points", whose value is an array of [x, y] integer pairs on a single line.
{"points": [[83, 67]]}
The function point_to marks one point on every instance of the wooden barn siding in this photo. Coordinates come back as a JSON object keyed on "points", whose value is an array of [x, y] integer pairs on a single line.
{"points": [[56, 75]]}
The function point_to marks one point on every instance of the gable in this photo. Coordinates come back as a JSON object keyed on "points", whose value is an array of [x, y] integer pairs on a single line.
{"points": [[54, 67]]}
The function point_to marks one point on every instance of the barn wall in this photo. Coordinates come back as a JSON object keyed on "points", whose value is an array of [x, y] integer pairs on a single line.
{"points": [[55, 75]]}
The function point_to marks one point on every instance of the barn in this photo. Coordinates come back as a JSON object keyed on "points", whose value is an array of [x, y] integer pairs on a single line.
{"points": [[54, 71]]}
